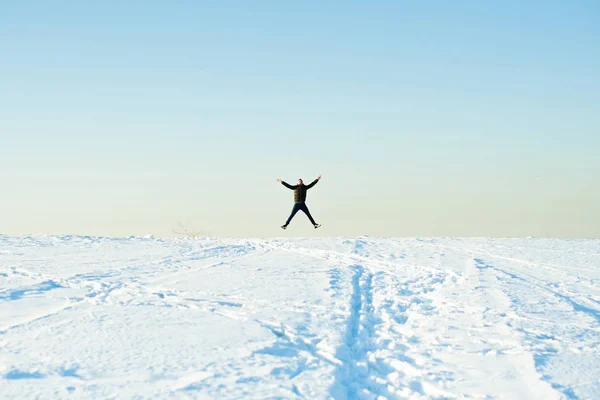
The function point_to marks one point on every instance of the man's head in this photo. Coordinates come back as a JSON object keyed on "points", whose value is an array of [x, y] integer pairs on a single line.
{"points": [[300, 181]]}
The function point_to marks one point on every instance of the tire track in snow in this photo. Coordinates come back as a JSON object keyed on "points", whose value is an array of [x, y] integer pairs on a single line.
{"points": [[352, 377], [356, 259], [533, 282], [502, 338], [98, 286], [561, 269], [565, 295], [367, 360], [544, 339]]}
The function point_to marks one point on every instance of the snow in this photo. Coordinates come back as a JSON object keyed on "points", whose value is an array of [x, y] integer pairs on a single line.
{"points": [[341, 318]]}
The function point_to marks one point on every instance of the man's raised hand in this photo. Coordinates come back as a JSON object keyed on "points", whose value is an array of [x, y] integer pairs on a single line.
{"points": [[319, 177], [279, 180]]}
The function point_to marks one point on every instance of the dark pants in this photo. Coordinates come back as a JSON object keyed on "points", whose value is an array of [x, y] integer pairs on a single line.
{"points": [[298, 207]]}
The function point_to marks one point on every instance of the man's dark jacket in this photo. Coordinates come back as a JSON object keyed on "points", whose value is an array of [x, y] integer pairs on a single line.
{"points": [[300, 190]]}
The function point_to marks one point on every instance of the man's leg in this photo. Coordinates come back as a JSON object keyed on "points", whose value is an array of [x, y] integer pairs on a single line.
{"points": [[294, 211], [305, 209]]}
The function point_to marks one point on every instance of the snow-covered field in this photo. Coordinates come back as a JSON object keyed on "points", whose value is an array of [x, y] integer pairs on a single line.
{"points": [[85, 317]]}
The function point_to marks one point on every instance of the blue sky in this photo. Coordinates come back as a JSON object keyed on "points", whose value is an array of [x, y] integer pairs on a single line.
{"points": [[425, 118]]}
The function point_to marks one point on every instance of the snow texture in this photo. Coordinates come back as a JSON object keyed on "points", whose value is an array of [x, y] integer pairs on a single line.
{"points": [[348, 318]]}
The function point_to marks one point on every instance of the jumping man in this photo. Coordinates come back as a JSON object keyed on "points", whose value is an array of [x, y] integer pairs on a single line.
{"points": [[299, 200]]}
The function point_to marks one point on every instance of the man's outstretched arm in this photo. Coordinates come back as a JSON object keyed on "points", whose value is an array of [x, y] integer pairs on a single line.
{"points": [[313, 183], [287, 185]]}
